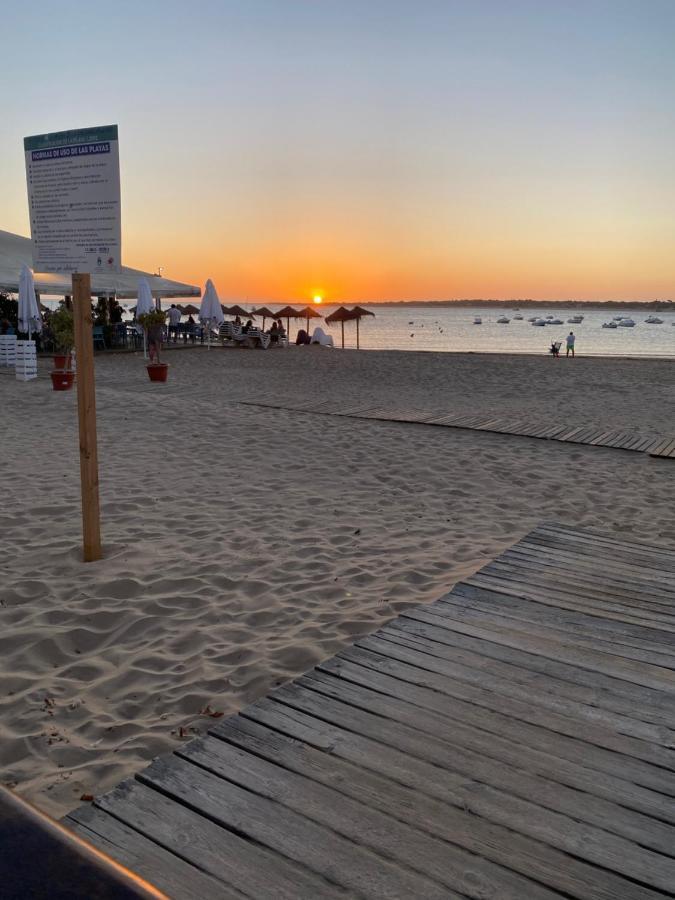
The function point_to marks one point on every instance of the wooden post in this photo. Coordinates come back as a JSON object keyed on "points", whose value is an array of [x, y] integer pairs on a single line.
{"points": [[86, 411], [357, 335], [343, 333]]}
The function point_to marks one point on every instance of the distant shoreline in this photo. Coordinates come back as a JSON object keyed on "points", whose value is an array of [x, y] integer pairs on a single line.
{"points": [[519, 304]]}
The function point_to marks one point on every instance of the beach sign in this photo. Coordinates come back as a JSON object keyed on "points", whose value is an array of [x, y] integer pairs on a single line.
{"points": [[73, 180]]}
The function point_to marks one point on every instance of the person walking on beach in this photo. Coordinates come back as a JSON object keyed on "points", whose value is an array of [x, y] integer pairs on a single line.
{"points": [[174, 318], [570, 343]]}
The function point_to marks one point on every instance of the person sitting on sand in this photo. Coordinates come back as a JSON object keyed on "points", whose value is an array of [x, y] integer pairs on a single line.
{"points": [[555, 347]]}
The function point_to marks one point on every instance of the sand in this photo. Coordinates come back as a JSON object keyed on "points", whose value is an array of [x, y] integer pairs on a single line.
{"points": [[243, 545]]}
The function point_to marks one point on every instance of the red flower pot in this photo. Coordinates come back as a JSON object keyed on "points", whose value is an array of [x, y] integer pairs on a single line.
{"points": [[62, 362], [62, 380], [158, 371]]}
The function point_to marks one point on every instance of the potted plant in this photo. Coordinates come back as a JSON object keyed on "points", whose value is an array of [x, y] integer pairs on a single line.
{"points": [[153, 325], [61, 326]]}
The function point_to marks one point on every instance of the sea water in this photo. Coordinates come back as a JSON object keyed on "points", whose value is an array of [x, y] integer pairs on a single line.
{"points": [[446, 328]]}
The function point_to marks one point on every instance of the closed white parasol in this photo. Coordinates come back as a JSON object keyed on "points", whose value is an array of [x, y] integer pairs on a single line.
{"points": [[144, 305], [30, 319], [211, 312]]}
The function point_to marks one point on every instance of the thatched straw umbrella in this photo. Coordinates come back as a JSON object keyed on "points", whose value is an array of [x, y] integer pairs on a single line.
{"points": [[358, 313], [288, 313], [340, 315], [265, 313], [190, 309], [239, 311], [309, 313], [343, 315]]}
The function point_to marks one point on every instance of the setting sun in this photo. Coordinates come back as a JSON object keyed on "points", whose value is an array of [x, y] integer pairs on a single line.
{"points": [[318, 298]]}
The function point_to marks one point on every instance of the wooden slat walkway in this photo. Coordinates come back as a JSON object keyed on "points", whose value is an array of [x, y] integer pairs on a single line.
{"points": [[513, 740], [575, 434]]}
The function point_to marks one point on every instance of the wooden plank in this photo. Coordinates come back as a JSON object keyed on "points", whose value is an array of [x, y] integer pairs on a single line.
{"points": [[453, 824], [544, 729], [518, 684], [621, 557], [666, 448], [599, 574], [546, 588], [500, 582], [653, 706], [167, 872], [573, 618], [394, 748], [222, 853], [628, 670], [576, 535], [339, 860], [504, 796], [386, 835], [519, 675], [636, 578]]}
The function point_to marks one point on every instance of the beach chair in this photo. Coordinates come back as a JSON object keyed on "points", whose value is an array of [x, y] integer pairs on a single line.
{"points": [[554, 349], [99, 337]]}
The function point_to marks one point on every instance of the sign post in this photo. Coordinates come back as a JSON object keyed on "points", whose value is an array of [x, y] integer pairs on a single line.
{"points": [[73, 181], [86, 413]]}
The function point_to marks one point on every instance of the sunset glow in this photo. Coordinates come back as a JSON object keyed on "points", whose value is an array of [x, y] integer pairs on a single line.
{"points": [[384, 150]]}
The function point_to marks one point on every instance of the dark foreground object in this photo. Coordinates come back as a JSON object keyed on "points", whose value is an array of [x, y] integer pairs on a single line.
{"points": [[513, 740], [39, 858]]}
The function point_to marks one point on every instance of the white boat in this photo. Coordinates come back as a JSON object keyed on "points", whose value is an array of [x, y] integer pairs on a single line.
{"points": [[575, 320], [477, 320], [653, 320], [611, 324], [533, 318], [617, 318], [539, 322], [626, 323], [502, 320], [554, 322], [518, 317]]}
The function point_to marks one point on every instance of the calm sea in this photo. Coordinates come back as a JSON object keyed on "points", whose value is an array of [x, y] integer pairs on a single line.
{"points": [[447, 329], [443, 328]]}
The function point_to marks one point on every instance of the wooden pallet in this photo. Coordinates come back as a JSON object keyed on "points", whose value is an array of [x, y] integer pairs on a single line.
{"points": [[512, 740]]}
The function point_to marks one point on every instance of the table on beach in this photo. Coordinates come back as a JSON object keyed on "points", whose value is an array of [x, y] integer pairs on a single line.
{"points": [[512, 740]]}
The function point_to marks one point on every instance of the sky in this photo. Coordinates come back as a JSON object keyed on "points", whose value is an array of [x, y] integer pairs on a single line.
{"points": [[367, 150]]}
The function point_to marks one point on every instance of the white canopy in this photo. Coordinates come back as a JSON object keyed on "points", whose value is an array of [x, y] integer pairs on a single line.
{"points": [[16, 251]]}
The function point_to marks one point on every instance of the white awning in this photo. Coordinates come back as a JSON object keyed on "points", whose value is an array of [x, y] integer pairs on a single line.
{"points": [[15, 251]]}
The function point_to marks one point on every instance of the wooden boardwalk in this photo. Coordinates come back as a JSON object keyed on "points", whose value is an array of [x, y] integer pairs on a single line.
{"points": [[652, 444], [513, 740]]}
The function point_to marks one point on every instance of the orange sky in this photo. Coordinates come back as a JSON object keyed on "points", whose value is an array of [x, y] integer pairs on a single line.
{"points": [[387, 150]]}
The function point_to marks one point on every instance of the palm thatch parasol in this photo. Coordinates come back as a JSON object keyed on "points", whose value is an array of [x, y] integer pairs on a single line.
{"points": [[238, 311], [288, 313], [265, 313], [309, 313], [358, 313], [189, 310], [340, 315]]}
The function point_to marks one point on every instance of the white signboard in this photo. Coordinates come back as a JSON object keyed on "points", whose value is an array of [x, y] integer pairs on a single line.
{"points": [[74, 200]]}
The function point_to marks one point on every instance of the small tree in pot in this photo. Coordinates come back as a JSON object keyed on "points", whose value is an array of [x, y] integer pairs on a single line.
{"points": [[62, 329], [153, 325]]}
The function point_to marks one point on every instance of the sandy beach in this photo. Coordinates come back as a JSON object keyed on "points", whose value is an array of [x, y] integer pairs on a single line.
{"points": [[243, 544]]}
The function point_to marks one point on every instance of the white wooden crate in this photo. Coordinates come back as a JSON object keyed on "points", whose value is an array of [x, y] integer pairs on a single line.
{"points": [[25, 363], [7, 350]]}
